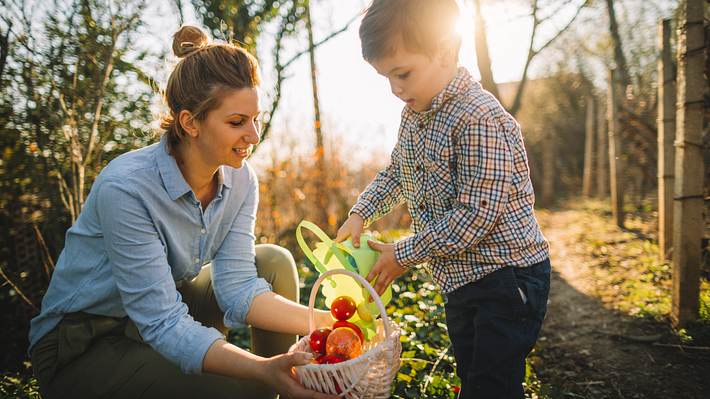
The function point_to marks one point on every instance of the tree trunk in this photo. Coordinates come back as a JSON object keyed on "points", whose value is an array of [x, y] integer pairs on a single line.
{"points": [[321, 179], [615, 164], [4, 49], [548, 170], [688, 220], [666, 136], [619, 58], [602, 154], [482, 56], [588, 149]]}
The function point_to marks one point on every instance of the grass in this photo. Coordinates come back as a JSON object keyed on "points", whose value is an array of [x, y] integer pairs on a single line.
{"points": [[628, 272]]}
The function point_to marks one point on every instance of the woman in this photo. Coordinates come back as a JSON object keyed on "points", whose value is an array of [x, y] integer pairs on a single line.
{"points": [[131, 311]]}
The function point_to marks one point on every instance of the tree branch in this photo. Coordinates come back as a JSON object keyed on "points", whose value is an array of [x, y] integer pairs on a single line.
{"points": [[517, 102], [322, 41], [18, 290], [561, 31], [281, 69]]}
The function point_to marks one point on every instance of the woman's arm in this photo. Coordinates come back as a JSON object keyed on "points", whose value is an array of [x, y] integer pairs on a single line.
{"points": [[243, 296], [273, 312], [226, 359]]}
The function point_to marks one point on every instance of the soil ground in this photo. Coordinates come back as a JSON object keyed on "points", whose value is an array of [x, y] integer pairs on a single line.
{"points": [[597, 341]]}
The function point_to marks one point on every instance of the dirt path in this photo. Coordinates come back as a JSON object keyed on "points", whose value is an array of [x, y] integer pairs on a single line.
{"points": [[590, 350]]}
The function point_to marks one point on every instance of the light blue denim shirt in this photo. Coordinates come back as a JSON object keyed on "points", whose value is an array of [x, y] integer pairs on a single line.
{"points": [[140, 234]]}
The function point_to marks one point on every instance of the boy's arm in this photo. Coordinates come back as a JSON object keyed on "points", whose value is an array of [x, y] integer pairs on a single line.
{"points": [[383, 194], [485, 169]]}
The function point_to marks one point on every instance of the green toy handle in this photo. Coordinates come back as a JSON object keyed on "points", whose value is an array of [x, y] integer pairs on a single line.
{"points": [[306, 249], [336, 249]]}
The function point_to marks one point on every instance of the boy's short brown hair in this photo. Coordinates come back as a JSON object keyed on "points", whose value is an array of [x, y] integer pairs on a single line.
{"points": [[421, 25]]}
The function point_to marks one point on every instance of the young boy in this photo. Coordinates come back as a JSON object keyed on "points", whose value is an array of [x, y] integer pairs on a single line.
{"points": [[460, 166]]}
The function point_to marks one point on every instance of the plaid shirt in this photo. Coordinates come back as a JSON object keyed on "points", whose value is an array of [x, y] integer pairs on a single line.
{"points": [[462, 170]]}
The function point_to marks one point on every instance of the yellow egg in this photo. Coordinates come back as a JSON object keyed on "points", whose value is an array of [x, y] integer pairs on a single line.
{"points": [[364, 312]]}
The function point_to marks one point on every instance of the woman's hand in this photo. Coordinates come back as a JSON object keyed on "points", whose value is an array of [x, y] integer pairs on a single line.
{"points": [[351, 228], [278, 372]]}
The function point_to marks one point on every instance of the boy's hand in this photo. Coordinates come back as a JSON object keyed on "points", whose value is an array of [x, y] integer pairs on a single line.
{"points": [[351, 228], [386, 269]]}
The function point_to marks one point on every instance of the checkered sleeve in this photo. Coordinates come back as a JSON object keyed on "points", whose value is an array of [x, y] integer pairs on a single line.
{"points": [[485, 169], [383, 194]]}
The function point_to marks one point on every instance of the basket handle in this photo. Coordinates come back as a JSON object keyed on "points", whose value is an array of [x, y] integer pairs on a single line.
{"points": [[358, 278]]}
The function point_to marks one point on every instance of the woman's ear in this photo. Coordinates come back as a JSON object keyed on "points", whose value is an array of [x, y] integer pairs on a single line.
{"points": [[188, 123]]}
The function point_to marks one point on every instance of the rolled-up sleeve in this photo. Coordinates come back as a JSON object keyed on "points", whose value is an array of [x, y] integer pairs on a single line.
{"points": [[143, 277], [485, 169], [234, 276]]}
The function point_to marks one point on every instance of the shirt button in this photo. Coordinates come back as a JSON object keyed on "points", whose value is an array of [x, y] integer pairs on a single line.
{"points": [[422, 207], [484, 203], [203, 231], [420, 125], [418, 168], [196, 260]]}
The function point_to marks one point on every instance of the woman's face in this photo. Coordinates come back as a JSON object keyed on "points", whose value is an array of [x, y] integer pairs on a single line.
{"points": [[229, 132]]}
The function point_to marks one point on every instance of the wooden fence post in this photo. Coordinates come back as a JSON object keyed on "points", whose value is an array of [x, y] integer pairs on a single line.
{"points": [[666, 136], [588, 148], [688, 201], [602, 153], [615, 164]]}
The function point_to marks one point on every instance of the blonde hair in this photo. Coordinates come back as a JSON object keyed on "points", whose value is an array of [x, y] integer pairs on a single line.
{"points": [[421, 25], [205, 73]]}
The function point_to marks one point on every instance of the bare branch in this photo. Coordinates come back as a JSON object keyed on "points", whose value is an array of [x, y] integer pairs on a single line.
{"points": [[18, 290], [322, 41], [178, 7], [561, 31], [517, 101], [281, 69], [45, 251], [556, 11]]}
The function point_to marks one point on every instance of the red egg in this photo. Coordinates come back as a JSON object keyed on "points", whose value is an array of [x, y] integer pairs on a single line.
{"points": [[343, 307], [318, 339], [343, 342]]}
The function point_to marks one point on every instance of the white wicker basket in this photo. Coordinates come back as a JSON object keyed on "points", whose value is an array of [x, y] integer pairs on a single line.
{"points": [[369, 375]]}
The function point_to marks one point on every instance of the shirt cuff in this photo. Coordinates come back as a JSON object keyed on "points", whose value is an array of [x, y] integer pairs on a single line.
{"points": [[238, 316], [365, 211], [201, 343], [406, 253]]}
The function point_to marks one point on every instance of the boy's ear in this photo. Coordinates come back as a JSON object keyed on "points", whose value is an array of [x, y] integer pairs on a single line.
{"points": [[188, 123], [449, 51]]}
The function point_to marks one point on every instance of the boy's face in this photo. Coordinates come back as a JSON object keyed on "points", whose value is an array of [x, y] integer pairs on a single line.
{"points": [[416, 78]]}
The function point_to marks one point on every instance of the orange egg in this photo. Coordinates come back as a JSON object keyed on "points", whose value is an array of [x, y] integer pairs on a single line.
{"points": [[343, 342]]}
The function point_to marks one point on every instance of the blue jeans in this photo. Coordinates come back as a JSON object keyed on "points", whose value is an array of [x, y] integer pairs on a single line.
{"points": [[492, 329]]}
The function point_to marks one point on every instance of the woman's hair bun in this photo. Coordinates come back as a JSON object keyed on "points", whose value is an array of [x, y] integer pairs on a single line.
{"points": [[188, 39]]}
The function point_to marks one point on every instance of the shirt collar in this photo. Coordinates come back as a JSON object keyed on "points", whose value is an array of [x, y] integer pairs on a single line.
{"points": [[224, 176], [459, 84], [173, 180]]}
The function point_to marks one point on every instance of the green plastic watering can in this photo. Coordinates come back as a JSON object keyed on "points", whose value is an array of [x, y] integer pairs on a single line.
{"points": [[329, 255]]}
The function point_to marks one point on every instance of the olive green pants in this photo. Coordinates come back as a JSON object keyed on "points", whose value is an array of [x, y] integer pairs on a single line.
{"points": [[90, 356]]}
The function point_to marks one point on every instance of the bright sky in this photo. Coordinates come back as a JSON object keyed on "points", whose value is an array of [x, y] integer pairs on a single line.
{"points": [[357, 108]]}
